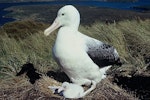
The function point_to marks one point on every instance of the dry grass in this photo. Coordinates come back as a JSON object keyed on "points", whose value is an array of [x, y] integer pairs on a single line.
{"points": [[130, 38], [34, 48], [21, 89], [137, 37], [42, 85], [105, 90]]}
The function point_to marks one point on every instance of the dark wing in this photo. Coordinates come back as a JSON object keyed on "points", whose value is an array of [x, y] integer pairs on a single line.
{"points": [[101, 53]]}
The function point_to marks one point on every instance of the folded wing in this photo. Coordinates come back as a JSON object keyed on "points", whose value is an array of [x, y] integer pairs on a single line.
{"points": [[101, 53]]}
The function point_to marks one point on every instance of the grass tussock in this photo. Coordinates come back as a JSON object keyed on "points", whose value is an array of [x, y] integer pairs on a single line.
{"points": [[24, 41], [42, 85], [35, 48], [137, 36]]}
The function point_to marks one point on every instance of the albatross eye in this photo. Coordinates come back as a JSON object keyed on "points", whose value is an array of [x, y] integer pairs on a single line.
{"points": [[62, 14]]}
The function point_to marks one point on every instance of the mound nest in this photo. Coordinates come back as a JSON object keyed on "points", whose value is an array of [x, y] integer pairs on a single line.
{"points": [[106, 90], [42, 85], [23, 90], [18, 88]]}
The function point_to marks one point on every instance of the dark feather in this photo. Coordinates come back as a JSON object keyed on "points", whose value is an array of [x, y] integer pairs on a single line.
{"points": [[103, 54]]}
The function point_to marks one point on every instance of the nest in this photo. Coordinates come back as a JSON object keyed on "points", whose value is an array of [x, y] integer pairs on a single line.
{"points": [[42, 85], [23, 90], [106, 90]]}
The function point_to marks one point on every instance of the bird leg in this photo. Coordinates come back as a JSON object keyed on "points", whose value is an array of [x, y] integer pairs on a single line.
{"points": [[93, 86]]}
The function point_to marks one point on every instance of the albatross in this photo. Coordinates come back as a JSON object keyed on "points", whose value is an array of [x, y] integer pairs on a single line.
{"points": [[83, 58], [71, 90]]}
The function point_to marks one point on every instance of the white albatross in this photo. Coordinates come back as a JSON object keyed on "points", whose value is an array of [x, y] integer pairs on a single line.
{"points": [[82, 58], [71, 90]]}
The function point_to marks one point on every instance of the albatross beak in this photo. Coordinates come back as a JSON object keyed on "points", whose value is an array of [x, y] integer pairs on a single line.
{"points": [[53, 27], [60, 89]]}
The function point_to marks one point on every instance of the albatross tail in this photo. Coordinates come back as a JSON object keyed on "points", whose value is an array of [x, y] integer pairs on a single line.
{"points": [[103, 71]]}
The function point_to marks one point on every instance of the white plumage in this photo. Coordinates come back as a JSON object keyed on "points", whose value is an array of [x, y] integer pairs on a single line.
{"points": [[71, 90], [82, 58]]}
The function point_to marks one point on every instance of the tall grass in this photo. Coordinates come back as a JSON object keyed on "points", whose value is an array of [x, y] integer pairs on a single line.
{"points": [[137, 37], [34, 47], [23, 41]]}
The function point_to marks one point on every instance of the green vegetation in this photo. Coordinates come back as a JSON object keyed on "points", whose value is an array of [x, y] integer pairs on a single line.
{"points": [[24, 41]]}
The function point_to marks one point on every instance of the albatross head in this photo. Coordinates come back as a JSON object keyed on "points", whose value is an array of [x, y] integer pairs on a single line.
{"points": [[64, 87], [67, 16]]}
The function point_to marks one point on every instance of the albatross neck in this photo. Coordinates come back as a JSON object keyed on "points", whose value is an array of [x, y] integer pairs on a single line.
{"points": [[73, 28]]}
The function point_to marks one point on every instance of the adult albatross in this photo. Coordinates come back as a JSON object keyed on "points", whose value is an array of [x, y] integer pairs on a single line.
{"points": [[82, 58]]}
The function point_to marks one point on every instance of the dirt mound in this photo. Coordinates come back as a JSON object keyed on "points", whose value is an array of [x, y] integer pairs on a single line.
{"points": [[105, 90], [123, 83]]}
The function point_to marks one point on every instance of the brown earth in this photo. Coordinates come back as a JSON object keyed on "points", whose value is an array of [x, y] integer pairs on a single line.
{"points": [[121, 84]]}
